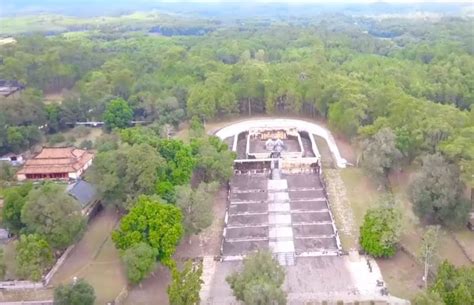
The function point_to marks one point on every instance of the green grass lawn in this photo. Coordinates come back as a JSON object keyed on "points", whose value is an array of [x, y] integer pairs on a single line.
{"points": [[361, 191], [413, 230], [402, 272]]}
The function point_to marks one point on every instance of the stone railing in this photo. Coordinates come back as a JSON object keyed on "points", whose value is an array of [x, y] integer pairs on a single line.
{"points": [[46, 302]]}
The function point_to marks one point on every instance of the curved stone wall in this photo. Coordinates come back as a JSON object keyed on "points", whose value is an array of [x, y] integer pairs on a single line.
{"points": [[311, 128]]}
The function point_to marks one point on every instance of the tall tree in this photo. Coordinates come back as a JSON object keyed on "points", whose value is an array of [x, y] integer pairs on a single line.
{"points": [[152, 222], [52, 213], [259, 282], [428, 250], [33, 256], [123, 174], [454, 285], [14, 200], [380, 154], [139, 261], [436, 193], [118, 114], [185, 284], [214, 161], [77, 293], [196, 206]]}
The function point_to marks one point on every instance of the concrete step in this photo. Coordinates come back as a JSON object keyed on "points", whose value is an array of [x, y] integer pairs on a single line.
{"points": [[286, 259]]}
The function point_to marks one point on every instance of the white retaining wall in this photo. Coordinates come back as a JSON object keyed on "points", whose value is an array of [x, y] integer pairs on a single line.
{"points": [[310, 128]]}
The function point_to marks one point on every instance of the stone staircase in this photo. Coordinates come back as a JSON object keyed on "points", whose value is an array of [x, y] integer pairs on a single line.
{"points": [[286, 259], [279, 220]]}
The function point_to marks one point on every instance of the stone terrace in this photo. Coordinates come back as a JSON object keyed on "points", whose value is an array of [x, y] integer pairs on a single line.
{"points": [[289, 215]]}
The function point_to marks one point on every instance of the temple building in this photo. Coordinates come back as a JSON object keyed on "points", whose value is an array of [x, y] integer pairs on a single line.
{"points": [[56, 163]]}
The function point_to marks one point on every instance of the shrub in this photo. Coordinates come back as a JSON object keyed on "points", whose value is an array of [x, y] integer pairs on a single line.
{"points": [[81, 131], [380, 231], [56, 138], [79, 293], [86, 144], [260, 280]]}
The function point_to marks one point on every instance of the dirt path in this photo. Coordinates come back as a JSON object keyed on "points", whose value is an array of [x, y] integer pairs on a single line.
{"points": [[96, 260]]}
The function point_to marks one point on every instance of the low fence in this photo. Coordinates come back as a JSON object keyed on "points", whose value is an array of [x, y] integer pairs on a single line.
{"points": [[58, 264], [48, 302], [18, 285]]}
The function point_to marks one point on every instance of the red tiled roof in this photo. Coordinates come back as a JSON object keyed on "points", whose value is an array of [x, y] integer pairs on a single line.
{"points": [[57, 160]]}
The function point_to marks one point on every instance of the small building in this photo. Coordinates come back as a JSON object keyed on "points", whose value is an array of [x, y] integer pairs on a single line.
{"points": [[13, 159], [56, 163], [87, 196], [10, 88]]}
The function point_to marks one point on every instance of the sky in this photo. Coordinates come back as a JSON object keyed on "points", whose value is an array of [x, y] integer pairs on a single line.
{"points": [[317, 1]]}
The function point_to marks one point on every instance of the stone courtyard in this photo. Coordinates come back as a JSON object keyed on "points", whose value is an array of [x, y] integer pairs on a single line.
{"points": [[277, 201]]}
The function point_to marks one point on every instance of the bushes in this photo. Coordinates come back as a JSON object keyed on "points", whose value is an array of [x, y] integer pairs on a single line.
{"points": [[56, 139], [185, 285], [33, 256], [52, 213], [79, 293], [86, 144], [260, 280], [454, 285], [381, 230]]}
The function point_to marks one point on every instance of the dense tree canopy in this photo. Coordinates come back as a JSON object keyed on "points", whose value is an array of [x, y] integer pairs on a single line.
{"points": [[123, 174], [50, 212], [139, 261], [118, 114], [196, 206], [33, 257], [259, 282], [415, 81], [436, 193], [380, 153], [14, 200], [214, 160], [454, 285], [152, 222], [78, 293], [185, 285]]}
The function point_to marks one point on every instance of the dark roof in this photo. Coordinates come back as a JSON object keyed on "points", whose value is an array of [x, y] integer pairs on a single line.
{"points": [[83, 192]]}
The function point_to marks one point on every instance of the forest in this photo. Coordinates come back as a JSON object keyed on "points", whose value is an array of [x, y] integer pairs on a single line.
{"points": [[361, 75], [399, 90]]}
